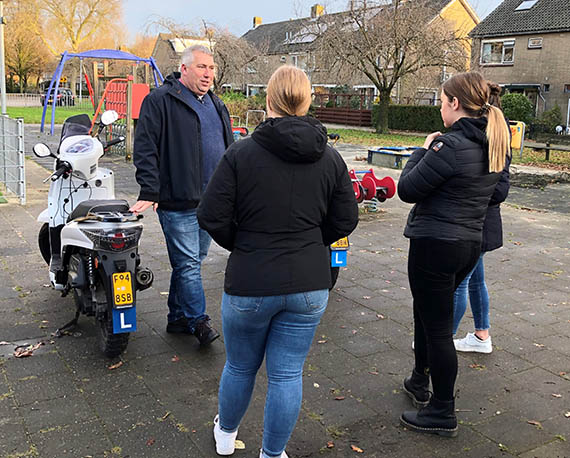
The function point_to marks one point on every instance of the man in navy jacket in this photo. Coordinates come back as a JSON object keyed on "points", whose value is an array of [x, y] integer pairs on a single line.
{"points": [[182, 133]]}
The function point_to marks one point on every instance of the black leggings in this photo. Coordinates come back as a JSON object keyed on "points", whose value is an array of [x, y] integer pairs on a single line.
{"points": [[435, 269]]}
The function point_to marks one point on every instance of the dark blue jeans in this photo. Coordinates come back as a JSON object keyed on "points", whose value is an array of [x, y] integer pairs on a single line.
{"points": [[187, 246], [281, 328]]}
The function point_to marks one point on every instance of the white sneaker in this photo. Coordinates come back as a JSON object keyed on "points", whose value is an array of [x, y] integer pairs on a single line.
{"points": [[472, 343], [225, 442], [283, 454]]}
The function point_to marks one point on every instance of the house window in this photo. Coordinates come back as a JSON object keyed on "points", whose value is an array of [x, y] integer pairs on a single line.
{"points": [[535, 43], [567, 88], [498, 52], [526, 5], [546, 88]]}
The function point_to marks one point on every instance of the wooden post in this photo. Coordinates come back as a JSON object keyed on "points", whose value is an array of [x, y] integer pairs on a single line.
{"points": [[547, 151], [129, 120]]}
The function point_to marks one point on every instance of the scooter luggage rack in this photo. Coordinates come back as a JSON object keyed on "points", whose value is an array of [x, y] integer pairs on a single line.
{"points": [[111, 217]]}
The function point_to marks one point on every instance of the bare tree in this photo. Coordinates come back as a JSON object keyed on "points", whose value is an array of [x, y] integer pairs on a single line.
{"points": [[233, 56], [387, 40]]}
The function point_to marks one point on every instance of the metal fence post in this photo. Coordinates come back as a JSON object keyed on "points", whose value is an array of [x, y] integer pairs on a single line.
{"points": [[21, 162]]}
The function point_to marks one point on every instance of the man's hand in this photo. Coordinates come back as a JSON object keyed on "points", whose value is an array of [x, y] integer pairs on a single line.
{"points": [[141, 205], [430, 138]]}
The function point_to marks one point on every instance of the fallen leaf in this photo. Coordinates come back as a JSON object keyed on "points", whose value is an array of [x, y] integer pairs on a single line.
{"points": [[380, 316], [330, 444], [538, 345], [342, 326], [165, 416], [22, 352], [321, 341], [339, 398], [517, 243], [567, 414], [556, 395], [164, 293], [354, 331], [356, 449], [149, 442], [115, 366], [239, 445], [365, 297], [535, 423], [562, 374], [316, 385], [373, 372], [477, 366], [175, 359]]}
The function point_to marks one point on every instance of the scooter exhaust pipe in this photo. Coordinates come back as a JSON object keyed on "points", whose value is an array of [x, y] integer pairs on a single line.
{"points": [[144, 277]]}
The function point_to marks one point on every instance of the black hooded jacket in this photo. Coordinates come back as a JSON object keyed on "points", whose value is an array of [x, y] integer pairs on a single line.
{"points": [[168, 147], [450, 184], [276, 201]]}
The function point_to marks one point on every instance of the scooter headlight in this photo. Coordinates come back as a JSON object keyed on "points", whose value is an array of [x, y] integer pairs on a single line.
{"points": [[118, 239]]}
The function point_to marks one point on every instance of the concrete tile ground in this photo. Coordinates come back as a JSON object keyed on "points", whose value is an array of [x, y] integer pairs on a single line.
{"points": [[65, 401]]}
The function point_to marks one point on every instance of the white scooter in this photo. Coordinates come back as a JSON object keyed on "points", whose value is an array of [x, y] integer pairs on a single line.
{"points": [[89, 239]]}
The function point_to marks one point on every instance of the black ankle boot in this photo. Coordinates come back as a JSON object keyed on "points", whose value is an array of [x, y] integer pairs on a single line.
{"points": [[417, 388], [438, 417]]}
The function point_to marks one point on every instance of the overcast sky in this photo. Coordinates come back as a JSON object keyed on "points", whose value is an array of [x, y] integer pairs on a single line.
{"points": [[237, 16]]}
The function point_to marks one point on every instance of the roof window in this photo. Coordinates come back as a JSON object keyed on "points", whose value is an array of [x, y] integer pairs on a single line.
{"points": [[526, 5]]}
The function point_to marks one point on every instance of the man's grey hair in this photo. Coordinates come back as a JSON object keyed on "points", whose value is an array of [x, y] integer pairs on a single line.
{"points": [[187, 56]]}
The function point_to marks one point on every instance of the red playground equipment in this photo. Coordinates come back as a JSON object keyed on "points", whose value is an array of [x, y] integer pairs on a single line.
{"points": [[366, 186]]}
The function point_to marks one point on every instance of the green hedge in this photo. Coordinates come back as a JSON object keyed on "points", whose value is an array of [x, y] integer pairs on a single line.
{"points": [[417, 118]]}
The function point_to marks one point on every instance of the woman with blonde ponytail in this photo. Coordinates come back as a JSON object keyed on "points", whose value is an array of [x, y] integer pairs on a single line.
{"points": [[450, 180]]}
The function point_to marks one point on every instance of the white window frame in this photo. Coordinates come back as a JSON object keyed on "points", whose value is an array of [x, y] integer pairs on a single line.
{"points": [[536, 43], [504, 41]]}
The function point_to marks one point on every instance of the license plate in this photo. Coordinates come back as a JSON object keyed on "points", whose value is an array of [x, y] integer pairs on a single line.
{"points": [[122, 289], [340, 244]]}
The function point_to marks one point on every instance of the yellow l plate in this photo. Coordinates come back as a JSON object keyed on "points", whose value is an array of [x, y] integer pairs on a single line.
{"points": [[340, 244], [122, 289]]}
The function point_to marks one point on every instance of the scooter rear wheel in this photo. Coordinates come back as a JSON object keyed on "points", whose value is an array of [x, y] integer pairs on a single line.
{"points": [[111, 344], [43, 242]]}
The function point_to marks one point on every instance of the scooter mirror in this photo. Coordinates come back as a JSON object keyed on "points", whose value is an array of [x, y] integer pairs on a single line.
{"points": [[109, 117], [41, 150]]}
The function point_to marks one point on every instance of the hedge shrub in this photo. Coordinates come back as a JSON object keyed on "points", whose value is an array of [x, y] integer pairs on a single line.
{"points": [[417, 118]]}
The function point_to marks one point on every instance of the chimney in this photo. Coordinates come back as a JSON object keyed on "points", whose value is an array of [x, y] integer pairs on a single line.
{"points": [[256, 21], [317, 10]]}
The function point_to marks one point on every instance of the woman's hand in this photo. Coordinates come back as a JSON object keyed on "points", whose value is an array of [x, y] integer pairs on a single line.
{"points": [[430, 138]]}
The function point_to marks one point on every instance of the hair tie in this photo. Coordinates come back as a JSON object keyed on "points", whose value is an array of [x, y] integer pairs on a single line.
{"points": [[485, 108]]}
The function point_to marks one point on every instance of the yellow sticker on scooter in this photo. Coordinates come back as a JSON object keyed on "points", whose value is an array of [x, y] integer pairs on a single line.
{"points": [[340, 244], [122, 289]]}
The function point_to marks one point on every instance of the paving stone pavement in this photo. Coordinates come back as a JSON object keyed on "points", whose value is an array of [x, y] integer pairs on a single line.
{"points": [[65, 401]]}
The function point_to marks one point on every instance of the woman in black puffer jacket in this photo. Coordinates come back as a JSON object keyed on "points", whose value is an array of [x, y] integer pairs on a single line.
{"points": [[450, 180]]}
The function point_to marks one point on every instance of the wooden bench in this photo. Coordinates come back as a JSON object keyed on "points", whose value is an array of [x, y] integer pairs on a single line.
{"points": [[546, 147]]}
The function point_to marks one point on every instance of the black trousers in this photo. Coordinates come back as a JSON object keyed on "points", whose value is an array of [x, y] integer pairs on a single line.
{"points": [[435, 269]]}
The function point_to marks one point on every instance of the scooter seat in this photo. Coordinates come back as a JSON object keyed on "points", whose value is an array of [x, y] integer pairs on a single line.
{"points": [[99, 205]]}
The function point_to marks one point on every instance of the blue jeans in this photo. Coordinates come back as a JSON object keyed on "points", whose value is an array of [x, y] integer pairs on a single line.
{"points": [[187, 246], [474, 287], [282, 329]]}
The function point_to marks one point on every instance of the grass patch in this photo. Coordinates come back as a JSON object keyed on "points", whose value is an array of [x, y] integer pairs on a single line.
{"points": [[559, 160], [2, 198], [33, 115]]}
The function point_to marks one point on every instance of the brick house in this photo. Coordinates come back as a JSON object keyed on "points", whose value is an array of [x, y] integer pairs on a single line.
{"points": [[292, 42], [169, 47], [524, 45]]}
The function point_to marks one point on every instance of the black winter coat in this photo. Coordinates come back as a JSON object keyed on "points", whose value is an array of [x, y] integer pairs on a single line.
{"points": [[168, 147], [493, 225], [276, 201], [450, 184]]}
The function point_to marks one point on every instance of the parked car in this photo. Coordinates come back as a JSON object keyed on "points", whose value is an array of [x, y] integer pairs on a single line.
{"points": [[64, 97]]}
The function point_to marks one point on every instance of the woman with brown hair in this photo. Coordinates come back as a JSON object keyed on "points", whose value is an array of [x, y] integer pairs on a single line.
{"points": [[450, 180], [277, 201]]}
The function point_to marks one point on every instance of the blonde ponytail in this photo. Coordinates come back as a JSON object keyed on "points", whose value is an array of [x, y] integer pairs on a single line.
{"points": [[498, 138]]}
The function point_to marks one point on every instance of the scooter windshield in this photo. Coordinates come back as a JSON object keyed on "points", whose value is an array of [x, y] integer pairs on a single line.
{"points": [[76, 125]]}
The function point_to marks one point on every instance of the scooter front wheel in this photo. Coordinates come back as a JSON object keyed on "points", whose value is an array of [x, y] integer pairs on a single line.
{"points": [[43, 242], [111, 344]]}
